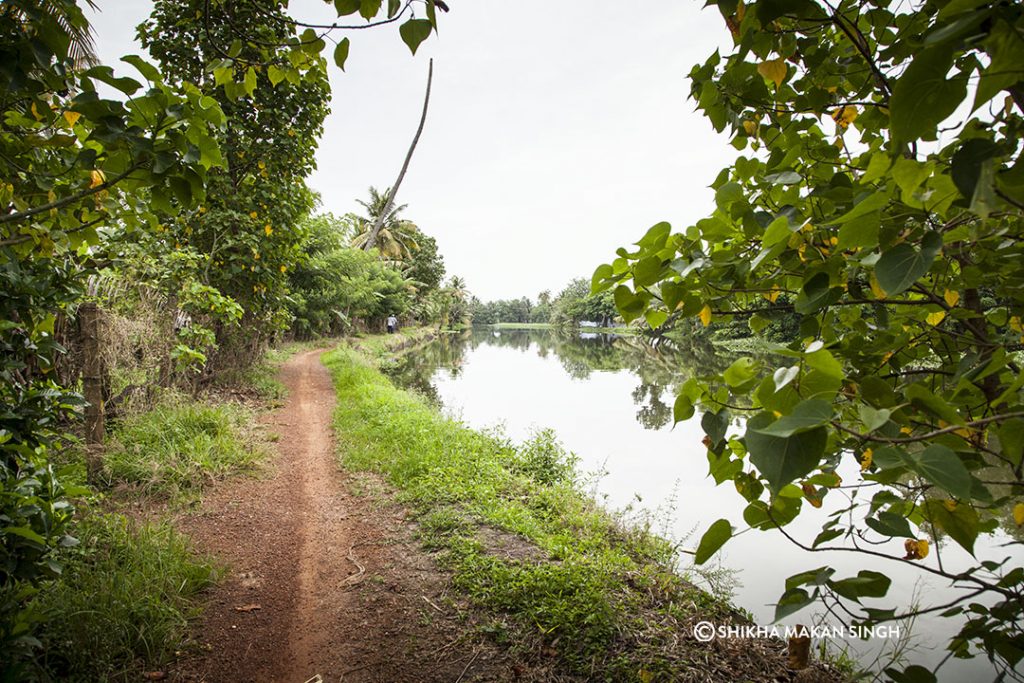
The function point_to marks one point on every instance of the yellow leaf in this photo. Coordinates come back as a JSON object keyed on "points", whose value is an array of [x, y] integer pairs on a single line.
{"points": [[906, 430], [916, 550], [35, 112], [1018, 514], [773, 70], [845, 116], [72, 117], [705, 315], [935, 318], [750, 127], [952, 297], [267, 229], [261, 164], [876, 288], [865, 460], [97, 178], [772, 295], [1015, 324]]}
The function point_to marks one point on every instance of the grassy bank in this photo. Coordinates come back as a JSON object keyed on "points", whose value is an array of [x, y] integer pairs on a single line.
{"points": [[555, 571], [123, 601], [181, 446], [128, 587], [380, 346]]}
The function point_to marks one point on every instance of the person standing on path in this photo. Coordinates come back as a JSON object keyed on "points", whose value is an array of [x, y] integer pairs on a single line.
{"points": [[392, 323]]}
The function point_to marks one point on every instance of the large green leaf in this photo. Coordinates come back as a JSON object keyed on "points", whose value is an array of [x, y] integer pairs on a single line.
{"points": [[740, 372], [806, 416], [867, 584], [959, 521], [925, 95], [778, 230], [783, 460], [713, 539], [814, 295], [940, 465], [903, 265], [1006, 46], [414, 32], [341, 53]]}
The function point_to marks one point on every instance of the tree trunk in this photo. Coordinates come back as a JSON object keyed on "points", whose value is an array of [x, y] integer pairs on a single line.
{"points": [[92, 387], [371, 239]]}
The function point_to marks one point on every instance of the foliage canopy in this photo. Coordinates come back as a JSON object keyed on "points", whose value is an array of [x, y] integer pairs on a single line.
{"points": [[880, 198]]}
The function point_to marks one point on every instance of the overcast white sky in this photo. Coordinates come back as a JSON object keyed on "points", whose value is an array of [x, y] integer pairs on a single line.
{"points": [[557, 131]]}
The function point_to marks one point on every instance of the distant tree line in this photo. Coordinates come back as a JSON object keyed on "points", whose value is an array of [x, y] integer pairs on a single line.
{"points": [[570, 307]]}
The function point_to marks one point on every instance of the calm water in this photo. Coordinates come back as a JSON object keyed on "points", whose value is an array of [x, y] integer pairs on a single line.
{"points": [[609, 399]]}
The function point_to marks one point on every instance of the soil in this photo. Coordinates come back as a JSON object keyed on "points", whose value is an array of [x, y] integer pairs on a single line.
{"points": [[325, 580]]}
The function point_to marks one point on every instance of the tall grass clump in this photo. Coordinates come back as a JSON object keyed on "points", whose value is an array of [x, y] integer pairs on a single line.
{"points": [[522, 539], [122, 602], [179, 447]]}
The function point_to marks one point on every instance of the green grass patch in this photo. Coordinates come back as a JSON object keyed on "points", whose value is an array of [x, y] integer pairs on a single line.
{"points": [[520, 536], [122, 603], [181, 446], [381, 346]]}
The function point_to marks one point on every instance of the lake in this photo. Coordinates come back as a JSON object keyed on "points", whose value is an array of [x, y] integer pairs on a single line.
{"points": [[609, 400]]}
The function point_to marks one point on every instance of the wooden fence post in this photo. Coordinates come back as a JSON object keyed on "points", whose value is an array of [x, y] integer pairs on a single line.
{"points": [[92, 388]]}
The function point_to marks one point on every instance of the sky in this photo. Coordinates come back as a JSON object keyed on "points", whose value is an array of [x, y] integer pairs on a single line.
{"points": [[557, 131]]}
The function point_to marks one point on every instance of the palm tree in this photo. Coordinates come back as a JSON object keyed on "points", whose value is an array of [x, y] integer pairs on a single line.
{"points": [[68, 18], [397, 237], [457, 294]]}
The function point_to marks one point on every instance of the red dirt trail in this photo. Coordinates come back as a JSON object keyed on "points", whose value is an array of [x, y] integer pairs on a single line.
{"points": [[322, 582]]}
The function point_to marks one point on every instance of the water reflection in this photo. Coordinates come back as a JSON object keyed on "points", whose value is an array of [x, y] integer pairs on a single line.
{"points": [[609, 398], [661, 366]]}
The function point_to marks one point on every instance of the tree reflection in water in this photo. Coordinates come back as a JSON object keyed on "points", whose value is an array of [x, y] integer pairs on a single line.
{"points": [[661, 366]]}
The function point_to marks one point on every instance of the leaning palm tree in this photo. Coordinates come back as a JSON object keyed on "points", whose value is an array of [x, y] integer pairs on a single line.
{"points": [[397, 237]]}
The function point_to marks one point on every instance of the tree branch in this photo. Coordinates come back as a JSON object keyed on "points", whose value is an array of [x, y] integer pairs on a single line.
{"points": [[371, 238], [61, 203]]}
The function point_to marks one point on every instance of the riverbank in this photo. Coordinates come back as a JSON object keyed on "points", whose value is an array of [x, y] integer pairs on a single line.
{"points": [[398, 546], [552, 574]]}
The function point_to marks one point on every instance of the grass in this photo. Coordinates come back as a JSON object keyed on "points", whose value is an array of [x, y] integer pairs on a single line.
{"points": [[380, 346], [180, 447], [122, 602], [565, 575]]}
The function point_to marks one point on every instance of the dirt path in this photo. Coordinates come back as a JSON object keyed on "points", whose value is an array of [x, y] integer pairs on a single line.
{"points": [[323, 581]]}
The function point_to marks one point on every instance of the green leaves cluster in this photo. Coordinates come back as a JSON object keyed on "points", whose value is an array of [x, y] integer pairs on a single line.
{"points": [[892, 227], [105, 172], [73, 162]]}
